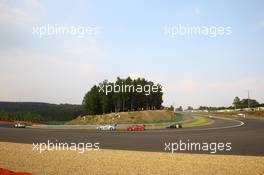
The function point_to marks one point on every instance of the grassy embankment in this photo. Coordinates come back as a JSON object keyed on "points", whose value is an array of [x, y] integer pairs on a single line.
{"points": [[148, 116], [154, 119]]}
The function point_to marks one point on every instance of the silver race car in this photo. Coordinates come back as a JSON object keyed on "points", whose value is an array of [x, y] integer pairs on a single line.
{"points": [[106, 127], [19, 125]]}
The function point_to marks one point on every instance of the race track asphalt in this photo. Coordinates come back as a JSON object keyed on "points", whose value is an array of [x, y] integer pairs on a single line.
{"points": [[246, 137]]}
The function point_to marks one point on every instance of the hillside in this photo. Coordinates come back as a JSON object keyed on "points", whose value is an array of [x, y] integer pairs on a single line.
{"points": [[39, 111], [148, 116]]}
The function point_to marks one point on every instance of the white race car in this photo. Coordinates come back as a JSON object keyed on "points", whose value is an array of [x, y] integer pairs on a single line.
{"points": [[106, 127], [19, 125]]}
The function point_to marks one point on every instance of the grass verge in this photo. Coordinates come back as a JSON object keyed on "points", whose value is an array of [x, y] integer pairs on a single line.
{"points": [[20, 157], [199, 121]]}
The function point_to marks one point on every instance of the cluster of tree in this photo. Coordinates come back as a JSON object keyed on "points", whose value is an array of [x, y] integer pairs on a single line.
{"points": [[237, 104], [171, 108], [96, 101], [180, 108], [34, 111], [211, 108], [245, 103], [189, 108]]}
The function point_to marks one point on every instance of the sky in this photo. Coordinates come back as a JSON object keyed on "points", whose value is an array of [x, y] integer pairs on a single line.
{"points": [[194, 70]]}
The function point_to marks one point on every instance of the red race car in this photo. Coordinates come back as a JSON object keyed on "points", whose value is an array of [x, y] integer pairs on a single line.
{"points": [[136, 128]]}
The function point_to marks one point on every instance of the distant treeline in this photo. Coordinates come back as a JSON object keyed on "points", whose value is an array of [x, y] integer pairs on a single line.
{"points": [[20, 116], [237, 104], [34, 111], [98, 100]]}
